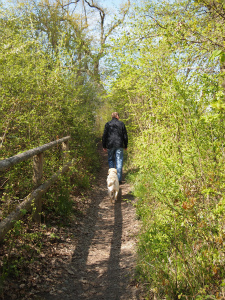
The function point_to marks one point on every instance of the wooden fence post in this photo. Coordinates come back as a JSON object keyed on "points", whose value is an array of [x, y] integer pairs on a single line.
{"points": [[65, 149], [33, 201], [37, 176]]}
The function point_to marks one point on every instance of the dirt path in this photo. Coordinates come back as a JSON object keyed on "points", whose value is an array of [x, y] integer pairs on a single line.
{"points": [[100, 257]]}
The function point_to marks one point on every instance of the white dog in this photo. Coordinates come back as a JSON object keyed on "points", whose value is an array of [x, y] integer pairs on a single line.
{"points": [[113, 184]]}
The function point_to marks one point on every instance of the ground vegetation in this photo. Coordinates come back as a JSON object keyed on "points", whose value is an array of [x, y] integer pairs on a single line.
{"points": [[170, 83]]}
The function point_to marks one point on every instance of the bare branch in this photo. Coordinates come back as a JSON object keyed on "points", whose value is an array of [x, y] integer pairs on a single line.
{"points": [[69, 3], [156, 21], [120, 21], [93, 5]]}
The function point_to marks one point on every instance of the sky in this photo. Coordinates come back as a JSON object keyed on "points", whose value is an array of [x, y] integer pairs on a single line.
{"points": [[113, 3]]}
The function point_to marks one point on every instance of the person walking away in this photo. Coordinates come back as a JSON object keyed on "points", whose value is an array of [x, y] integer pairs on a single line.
{"points": [[114, 139]]}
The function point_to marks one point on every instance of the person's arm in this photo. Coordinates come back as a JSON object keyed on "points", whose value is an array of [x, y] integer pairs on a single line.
{"points": [[125, 137]]}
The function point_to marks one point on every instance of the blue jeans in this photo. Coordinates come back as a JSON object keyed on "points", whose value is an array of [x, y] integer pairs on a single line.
{"points": [[115, 160]]}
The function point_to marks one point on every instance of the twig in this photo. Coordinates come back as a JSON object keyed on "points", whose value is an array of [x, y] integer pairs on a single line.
{"points": [[4, 183]]}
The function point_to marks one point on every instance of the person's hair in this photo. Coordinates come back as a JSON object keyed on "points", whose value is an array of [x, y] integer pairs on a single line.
{"points": [[115, 114]]}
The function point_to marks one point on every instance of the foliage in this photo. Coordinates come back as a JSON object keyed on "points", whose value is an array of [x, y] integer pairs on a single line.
{"points": [[43, 97], [169, 82], [40, 100]]}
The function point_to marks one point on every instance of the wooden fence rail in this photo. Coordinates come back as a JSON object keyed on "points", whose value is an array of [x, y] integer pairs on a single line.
{"points": [[33, 200], [9, 162]]}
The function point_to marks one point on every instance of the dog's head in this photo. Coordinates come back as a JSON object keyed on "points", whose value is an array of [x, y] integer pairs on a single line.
{"points": [[112, 171]]}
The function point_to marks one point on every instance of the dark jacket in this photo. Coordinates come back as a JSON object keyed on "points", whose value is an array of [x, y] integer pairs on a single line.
{"points": [[115, 135]]}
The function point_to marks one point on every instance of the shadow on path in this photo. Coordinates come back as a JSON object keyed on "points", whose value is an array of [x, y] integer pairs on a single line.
{"points": [[103, 262], [114, 272]]}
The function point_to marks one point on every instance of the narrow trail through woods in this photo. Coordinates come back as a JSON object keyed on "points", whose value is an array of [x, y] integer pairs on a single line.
{"points": [[102, 256]]}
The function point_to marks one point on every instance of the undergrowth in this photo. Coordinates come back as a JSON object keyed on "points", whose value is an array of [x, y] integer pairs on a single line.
{"points": [[22, 248], [181, 244]]}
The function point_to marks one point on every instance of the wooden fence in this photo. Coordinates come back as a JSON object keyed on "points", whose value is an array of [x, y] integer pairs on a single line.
{"points": [[33, 200]]}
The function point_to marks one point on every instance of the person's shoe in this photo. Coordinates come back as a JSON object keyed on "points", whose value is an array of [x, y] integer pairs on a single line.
{"points": [[120, 182]]}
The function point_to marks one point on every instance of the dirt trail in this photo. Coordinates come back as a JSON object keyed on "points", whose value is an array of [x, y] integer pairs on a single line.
{"points": [[101, 258]]}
